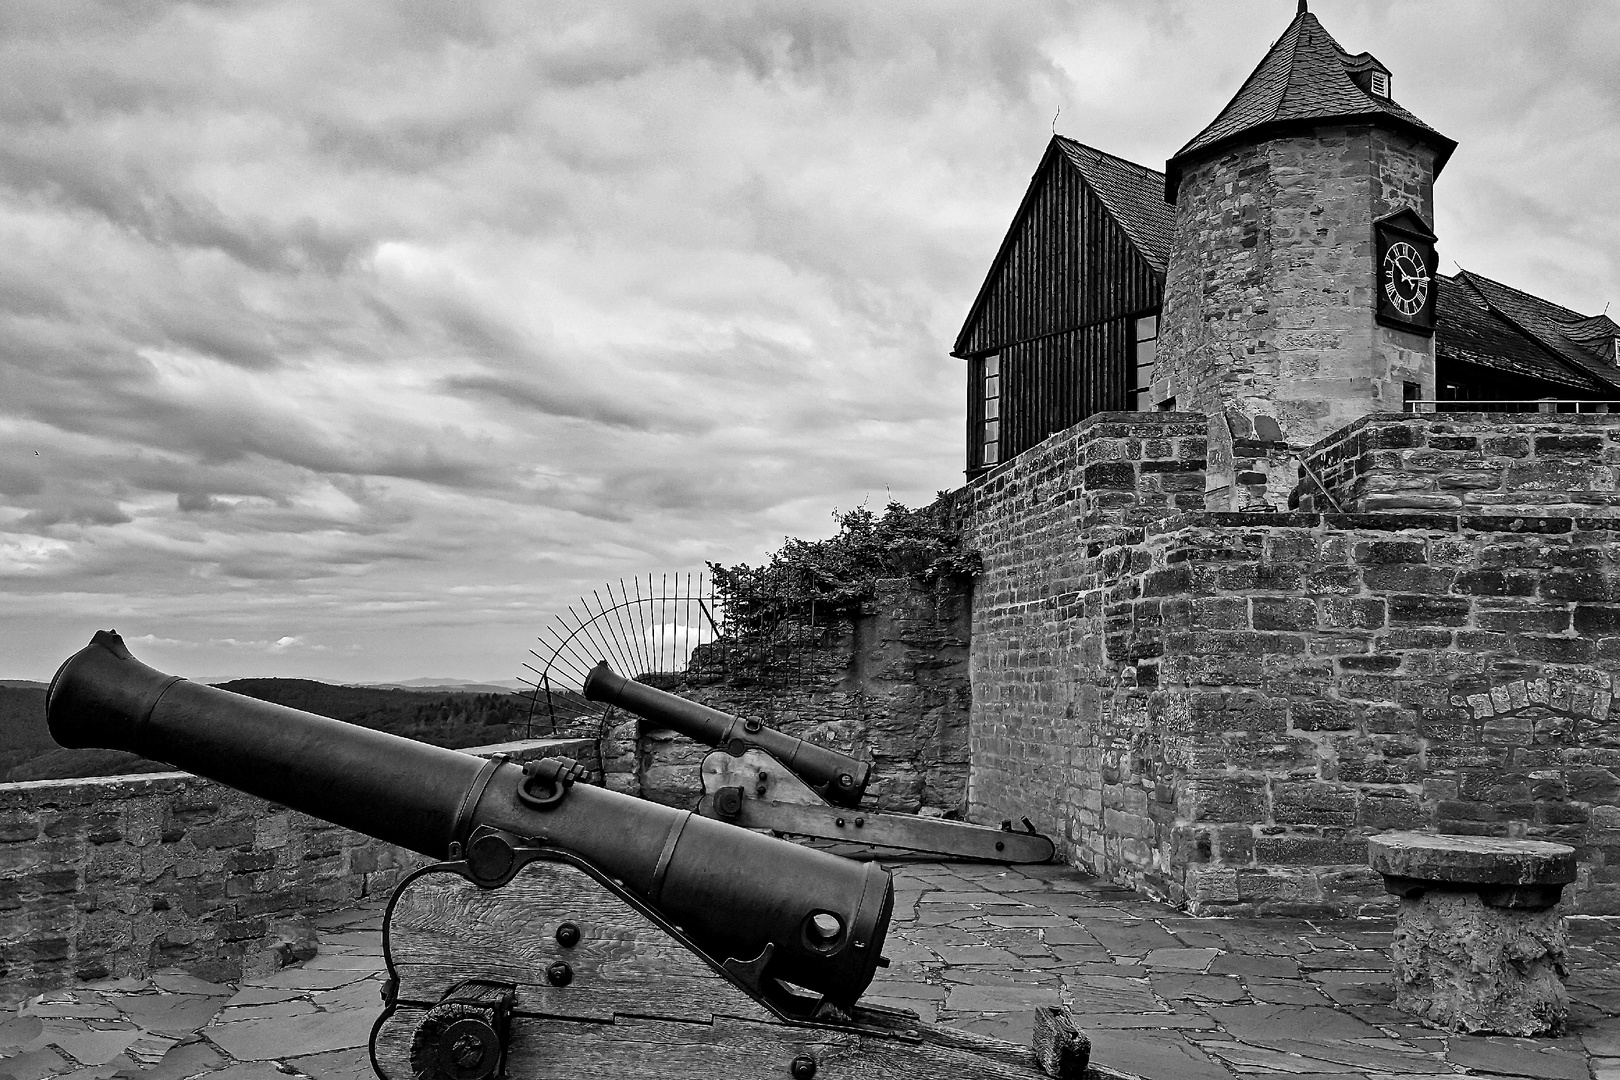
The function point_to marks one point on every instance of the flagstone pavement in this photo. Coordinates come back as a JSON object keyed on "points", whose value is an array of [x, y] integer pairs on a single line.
{"points": [[1162, 995]]}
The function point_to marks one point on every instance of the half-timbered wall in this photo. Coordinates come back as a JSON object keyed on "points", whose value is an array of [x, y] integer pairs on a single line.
{"points": [[1058, 312]]}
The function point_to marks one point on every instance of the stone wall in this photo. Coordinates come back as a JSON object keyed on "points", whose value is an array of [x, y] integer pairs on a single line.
{"points": [[1565, 464], [1268, 303], [889, 684], [1219, 708], [125, 875]]}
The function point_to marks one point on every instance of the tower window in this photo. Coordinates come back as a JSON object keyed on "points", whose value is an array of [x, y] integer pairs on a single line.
{"points": [[1379, 83], [1147, 347], [992, 410]]}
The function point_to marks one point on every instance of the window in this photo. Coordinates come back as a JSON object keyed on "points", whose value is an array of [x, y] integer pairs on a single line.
{"points": [[992, 410], [1380, 83], [1147, 342]]}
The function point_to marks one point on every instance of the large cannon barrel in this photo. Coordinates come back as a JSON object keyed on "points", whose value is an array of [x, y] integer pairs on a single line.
{"points": [[733, 891], [840, 778]]}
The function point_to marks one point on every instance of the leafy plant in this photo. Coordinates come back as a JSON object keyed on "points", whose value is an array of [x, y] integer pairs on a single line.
{"points": [[804, 578]]}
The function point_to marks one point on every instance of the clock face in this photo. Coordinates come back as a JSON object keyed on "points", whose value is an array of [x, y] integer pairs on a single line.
{"points": [[1407, 278]]}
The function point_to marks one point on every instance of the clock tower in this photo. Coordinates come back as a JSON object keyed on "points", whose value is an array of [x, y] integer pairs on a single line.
{"points": [[1301, 278]]}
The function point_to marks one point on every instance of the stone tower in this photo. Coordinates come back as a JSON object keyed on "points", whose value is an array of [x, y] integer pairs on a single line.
{"points": [[1272, 290]]}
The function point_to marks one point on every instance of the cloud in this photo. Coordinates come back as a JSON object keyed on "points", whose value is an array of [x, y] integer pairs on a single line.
{"points": [[392, 328]]}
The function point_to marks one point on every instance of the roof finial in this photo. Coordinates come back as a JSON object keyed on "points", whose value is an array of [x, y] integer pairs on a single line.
{"points": [[1302, 8]]}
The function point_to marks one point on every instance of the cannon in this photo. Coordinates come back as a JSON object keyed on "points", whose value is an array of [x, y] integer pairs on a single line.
{"points": [[762, 778], [566, 929]]}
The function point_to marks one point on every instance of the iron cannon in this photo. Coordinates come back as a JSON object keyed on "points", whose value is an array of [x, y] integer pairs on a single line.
{"points": [[569, 930]]}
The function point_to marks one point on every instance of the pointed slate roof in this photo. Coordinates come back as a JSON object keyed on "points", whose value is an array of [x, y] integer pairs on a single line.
{"points": [[1304, 81], [1484, 322]]}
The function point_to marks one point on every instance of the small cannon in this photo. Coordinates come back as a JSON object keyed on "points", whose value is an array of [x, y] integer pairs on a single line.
{"points": [[762, 778], [568, 929]]}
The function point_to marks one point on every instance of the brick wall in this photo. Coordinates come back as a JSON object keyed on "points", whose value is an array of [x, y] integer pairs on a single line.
{"points": [[125, 875], [889, 684], [1268, 302], [1219, 708], [1481, 463]]}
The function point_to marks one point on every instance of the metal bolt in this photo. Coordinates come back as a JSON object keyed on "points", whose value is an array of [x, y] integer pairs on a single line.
{"points": [[1000, 846], [467, 1051], [559, 974], [840, 823], [859, 822], [568, 935], [803, 1067]]}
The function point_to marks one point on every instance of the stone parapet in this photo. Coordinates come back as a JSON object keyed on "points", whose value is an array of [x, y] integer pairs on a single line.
{"points": [[125, 875], [1506, 464], [1220, 708]]}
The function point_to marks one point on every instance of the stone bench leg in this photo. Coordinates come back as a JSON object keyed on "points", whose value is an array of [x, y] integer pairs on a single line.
{"points": [[1465, 965]]}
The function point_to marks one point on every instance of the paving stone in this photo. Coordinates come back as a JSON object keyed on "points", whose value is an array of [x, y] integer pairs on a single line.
{"points": [[1168, 1020], [178, 982], [898, 949], [1253, 1058], [1070, 935], [1132, 939], [360, 995], [169, 1014], [1014, 1027], [35, 1064], [1355, 987], [1271, 967], [149, 1048], [262, 995], [1122, 969], [1101, 993], [975, 954], [346, 961], [1196, 960], [979, 896], [315, 1033], [1153, 1055], [335, 1065], [299, 978], [82, 1006], [908, 991], [1522, 1056], [185, 1059], [248, 1071], [1045, 919], [18, 1032], [1254, 1023], [1178, 987], [1285, 992], [96, 1045], [1002, 996], [277, 1010], [1082, 954], [1345, 960], [984, 976]]}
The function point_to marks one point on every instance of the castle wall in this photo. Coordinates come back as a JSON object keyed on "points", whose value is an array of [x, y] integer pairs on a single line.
{"points": [[1268, 306], [1219, 708], [126, 875], [889, 684]]}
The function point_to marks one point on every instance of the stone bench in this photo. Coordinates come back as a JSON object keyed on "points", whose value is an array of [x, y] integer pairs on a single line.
{"points": [[1480, 944]]}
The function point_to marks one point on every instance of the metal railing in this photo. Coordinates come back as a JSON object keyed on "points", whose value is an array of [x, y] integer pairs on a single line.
{"points": [[1546, 405]]}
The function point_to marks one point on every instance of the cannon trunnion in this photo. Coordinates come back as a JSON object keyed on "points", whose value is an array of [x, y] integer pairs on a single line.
{"points": [[568, 930]]}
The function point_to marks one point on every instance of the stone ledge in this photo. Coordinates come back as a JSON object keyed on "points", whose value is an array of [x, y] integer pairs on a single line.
{"points": [[1470, 861]]}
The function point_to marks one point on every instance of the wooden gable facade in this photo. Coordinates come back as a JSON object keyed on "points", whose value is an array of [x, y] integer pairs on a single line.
{"points": [[1057, 330]]}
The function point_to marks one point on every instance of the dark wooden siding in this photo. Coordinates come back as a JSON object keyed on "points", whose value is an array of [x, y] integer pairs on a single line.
{"points": [[1059, 310]]}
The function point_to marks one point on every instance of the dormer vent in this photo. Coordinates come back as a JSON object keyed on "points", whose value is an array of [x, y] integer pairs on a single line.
{"points": [[1378, 83]]}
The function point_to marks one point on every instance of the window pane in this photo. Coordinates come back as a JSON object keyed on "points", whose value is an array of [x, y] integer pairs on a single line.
{"points": [[992, 365], [992, 386], [1147, 328], [992, 408], [992, 430], [1145, 352], [992, 453]]}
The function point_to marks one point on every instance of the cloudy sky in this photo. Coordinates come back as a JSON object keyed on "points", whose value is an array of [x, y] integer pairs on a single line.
{"points": [[353, 340]]}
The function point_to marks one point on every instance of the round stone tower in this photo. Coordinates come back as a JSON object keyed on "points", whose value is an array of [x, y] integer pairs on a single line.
{"points": [[1285, 208]]}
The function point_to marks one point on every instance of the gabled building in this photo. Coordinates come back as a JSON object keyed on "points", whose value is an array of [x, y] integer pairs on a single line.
{"points": [[1282, 270]]}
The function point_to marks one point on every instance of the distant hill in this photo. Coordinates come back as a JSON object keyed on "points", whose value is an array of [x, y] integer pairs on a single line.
{"points": [[455, 719]]}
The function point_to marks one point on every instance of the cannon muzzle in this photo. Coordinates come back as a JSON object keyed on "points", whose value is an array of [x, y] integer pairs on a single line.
{"points": [[839, 778], [733, 892]]}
